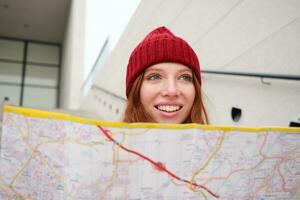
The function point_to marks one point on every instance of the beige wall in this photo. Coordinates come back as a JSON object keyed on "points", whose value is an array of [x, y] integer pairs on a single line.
{"points": [[244, 36], [73, 58]]}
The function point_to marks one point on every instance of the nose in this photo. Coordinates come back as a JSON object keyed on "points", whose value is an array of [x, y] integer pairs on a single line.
{"points": [[170, 89]]}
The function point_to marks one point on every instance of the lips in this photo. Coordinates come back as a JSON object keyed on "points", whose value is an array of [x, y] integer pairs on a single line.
{"points": [[168, 108]]}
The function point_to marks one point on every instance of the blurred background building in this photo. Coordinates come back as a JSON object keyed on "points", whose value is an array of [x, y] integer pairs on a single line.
{"points": [[71, 55]]}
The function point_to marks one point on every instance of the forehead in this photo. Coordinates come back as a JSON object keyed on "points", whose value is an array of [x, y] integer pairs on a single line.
{"points": [[168, 67]]}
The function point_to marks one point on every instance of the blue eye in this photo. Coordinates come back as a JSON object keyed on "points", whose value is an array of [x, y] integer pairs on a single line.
{"points": [[153, 77], [186, 77]]}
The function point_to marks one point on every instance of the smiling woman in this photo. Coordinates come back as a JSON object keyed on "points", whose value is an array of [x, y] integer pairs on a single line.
{"points": [[163, 82], [167, 92]]}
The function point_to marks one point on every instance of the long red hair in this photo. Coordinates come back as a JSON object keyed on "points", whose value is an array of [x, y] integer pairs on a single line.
{"points": [[135, 111]]}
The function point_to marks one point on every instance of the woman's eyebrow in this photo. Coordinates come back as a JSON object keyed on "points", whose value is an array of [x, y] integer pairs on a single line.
{"points": [[161, 70], [185, 70], [153, 70]]}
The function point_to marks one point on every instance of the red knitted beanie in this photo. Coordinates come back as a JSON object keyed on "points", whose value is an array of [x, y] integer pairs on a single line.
{"points": [[159, 46]]}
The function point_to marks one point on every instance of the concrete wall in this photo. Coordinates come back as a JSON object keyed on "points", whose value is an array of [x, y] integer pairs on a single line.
{"points": [[243, 36], [73, 57]]}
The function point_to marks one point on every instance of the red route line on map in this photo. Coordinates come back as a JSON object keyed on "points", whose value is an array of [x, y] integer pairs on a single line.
{"points": [[158, 165]]}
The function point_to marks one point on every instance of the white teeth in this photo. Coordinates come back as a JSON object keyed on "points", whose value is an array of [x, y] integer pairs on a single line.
{"points": [[168, 108]]}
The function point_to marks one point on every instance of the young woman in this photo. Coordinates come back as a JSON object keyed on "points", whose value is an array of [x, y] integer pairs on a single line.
{"points": [[163, 81]]}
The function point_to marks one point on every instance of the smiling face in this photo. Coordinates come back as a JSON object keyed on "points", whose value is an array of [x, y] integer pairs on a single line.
{"points": [[167, 92]]}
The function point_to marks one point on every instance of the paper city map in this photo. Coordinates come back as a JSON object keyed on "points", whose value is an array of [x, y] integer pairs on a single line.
{"points": [[56, 156]]}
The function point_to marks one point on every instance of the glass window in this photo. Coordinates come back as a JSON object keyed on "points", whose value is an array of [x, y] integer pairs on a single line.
{"points": [[11, 50], [41, 75], [10, 72], [43, 53], [12, 92], [36, 97]]}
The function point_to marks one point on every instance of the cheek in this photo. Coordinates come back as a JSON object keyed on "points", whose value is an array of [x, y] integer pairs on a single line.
{"points": [[190, 94], [145, 94]]}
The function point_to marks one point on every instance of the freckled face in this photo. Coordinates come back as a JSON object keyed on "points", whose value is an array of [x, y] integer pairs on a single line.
{"points": [[167, 92]]}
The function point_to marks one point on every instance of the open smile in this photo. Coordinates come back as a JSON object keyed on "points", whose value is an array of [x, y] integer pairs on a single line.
{"points": [[168, 108]]}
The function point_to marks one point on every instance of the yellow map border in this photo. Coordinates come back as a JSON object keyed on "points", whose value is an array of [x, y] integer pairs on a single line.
{"points": [[55, 115]]}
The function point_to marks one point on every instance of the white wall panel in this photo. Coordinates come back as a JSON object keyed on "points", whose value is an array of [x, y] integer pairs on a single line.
{"points": [[12, 50], [73, 58], [272, 104], [237, 35], [201, 17], [12, 92], [278, 54], [42, 75], [36, 97], [11, 72], [43, 53], [249, 24]]}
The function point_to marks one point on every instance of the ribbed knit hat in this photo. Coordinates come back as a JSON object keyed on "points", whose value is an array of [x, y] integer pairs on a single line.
{"points": [[159, 46]]}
